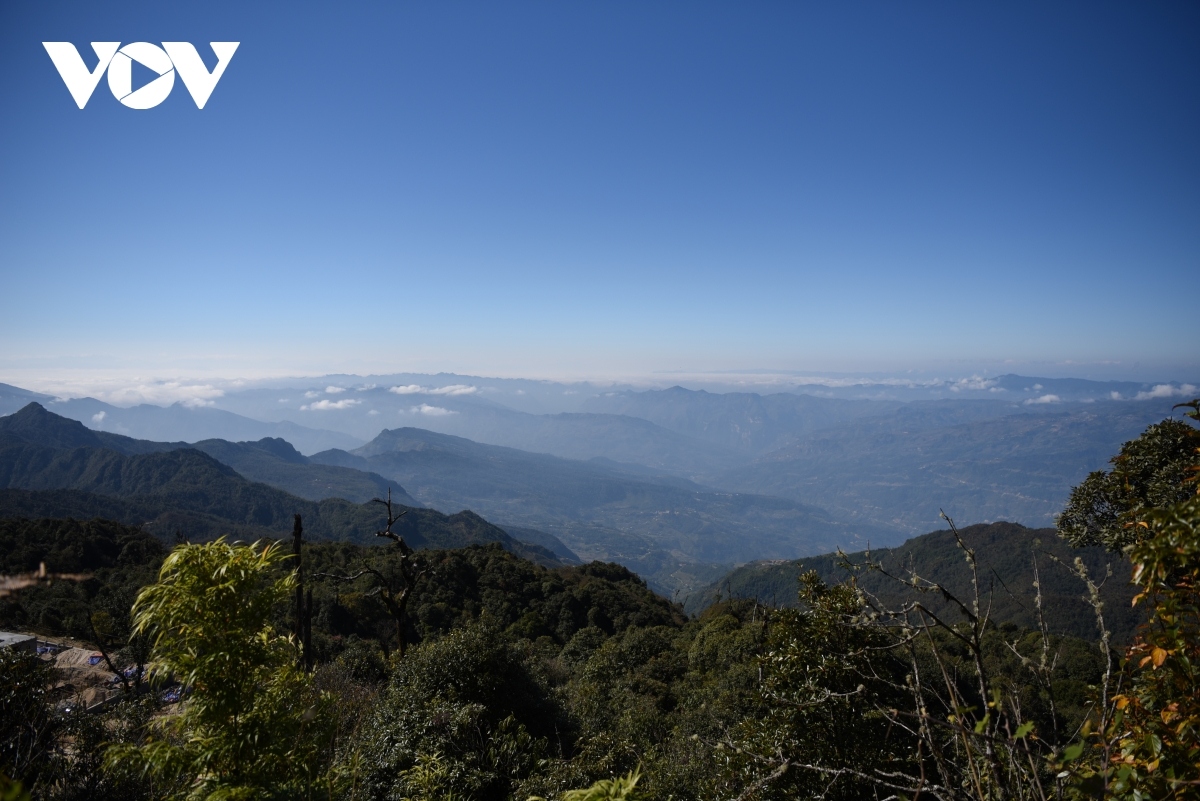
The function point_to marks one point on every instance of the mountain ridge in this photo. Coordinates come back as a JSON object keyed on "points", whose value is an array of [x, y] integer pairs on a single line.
{"points": [[186, 489], [1005, 554]]}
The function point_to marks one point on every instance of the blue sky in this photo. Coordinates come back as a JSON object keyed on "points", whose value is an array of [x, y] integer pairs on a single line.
{"points": [[608, 190]]}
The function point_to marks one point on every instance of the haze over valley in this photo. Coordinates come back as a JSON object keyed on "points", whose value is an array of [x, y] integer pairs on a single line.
{"points": [[677, 484]]}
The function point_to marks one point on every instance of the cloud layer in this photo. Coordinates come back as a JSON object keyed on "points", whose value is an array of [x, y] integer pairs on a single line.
{"points": [[417, 389], [326, 405], [432, 411], [1167, 391]]}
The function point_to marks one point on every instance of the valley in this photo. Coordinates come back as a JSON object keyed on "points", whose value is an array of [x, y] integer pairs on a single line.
{"points": [[679, 485]]}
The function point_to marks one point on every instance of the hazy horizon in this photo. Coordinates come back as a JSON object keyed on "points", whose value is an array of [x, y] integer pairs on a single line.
{"points": [[126, 390]]}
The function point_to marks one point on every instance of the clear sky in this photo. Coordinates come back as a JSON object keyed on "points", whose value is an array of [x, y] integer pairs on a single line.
{"points": [[609, 189]]}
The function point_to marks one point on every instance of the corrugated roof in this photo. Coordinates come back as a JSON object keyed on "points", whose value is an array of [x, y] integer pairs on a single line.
{"points": [[11, 638]]}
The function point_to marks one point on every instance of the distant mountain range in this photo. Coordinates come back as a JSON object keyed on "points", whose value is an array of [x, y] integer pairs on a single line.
{"points": [[754, 425], [673, 531], [177, 422], [691, 428], [51, 466], [899, 471], [743, 423], [465, 411], [658, 525], [675, 483]]}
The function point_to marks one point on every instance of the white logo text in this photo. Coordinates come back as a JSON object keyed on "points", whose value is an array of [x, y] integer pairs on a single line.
{"points": [[166, 61]]}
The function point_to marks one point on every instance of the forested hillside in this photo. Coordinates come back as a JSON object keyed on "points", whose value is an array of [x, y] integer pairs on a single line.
{"points": [[269, 461], [53, 467], [277, 463], [1008, 556]]}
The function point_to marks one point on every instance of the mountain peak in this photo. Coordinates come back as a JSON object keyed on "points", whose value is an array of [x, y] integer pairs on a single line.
{"points": [[408, 438], [34, 423], [279, 448]]}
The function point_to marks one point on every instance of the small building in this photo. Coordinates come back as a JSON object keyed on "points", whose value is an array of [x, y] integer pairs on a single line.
{"points": [[18, 642]]}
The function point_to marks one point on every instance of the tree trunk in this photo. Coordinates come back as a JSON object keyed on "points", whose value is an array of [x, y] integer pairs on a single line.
{"points": [[297, 537], [308, 655]]}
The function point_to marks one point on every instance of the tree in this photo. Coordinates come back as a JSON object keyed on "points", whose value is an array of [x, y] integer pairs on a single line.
{"points": [[251, 725], [926, 699], [29, 746], [396, 579], [621, 788], [1152, 471], [1145, 742], [827, 679], [465, 715]]}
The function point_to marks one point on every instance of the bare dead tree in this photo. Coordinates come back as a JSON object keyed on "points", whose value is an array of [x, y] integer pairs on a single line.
{"points": [[303, 622], [974, 741], [395, 589], [112, 667], [983, 748]]}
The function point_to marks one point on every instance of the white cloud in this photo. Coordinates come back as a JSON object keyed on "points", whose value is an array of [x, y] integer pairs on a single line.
{"points": [[162, 393], [407, 389], [843, 383], [454, 389], [432, 411], [1115, 395], [366, 387], [98, 417], [284, 400], [1044, 399], [196, 403], [373, 412], [311, 394], [1038, 387], [334, 390], [1167, 391], [324, 405], [974, 383]]}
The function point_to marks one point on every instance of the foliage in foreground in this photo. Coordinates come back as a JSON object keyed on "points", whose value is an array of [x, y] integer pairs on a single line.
{"points": [[1151, 472], [1145, 740], [251, 725], [55, 753], [621, 788]]}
